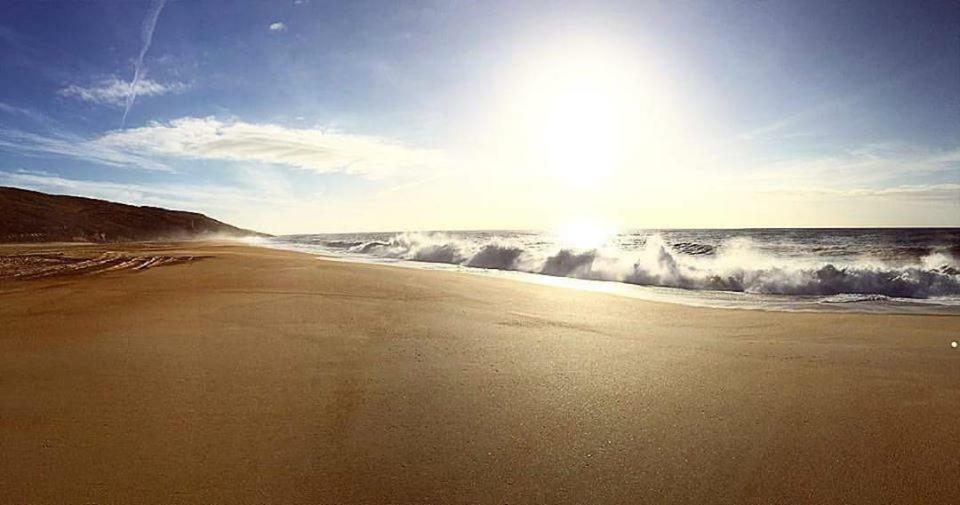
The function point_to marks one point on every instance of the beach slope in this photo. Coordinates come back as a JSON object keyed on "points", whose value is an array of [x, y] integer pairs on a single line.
{"points": [[252, 375]]}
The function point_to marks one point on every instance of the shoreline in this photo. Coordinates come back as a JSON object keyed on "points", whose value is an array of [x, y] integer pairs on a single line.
{"points": [[725, 300], [648, 294], [263, 375]]}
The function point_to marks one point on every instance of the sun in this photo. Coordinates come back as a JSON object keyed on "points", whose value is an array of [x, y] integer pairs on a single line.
{"points": [[580, 111], [582, 132], [583, 233]]}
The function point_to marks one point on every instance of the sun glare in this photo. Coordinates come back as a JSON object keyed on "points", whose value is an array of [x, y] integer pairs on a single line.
{"points": [[582, 112], [582, 132], [584, 233]]}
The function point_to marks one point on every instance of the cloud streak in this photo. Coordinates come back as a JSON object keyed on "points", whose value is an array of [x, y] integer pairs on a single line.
{"points": [[308, 149], [70, 146], [869, 164], [20, 111], [174, 196], [155, 146], [116, 92], [943, 193], [278, 27], [146, 37]]}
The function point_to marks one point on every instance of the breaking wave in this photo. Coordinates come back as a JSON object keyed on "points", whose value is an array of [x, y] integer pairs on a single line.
{"points": [[735, 265]]}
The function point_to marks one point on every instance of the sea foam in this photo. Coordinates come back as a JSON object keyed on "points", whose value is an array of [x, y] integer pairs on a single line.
{"points": [[735, 264]]}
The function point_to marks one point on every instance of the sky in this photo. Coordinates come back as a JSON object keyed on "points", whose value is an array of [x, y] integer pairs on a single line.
{"points": [[300, 116]]}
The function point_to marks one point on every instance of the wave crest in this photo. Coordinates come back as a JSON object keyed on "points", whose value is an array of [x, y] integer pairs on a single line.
{"points": [[736, 265]]}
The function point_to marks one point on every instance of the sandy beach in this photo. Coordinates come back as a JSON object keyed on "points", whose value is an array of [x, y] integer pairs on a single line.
{"points": [[253, 375]]}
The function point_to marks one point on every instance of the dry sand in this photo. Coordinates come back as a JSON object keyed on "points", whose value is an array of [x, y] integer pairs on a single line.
{"points": [[260, 376]]}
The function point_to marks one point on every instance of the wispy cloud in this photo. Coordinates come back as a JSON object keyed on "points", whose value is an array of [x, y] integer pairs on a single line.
{"points": [[116, 92], [146, 37], [14, 40], [72, 146], [775, 129], [6, 108], [946, 193], [278, 27], [769, 130], [951, 156], [154, 146], [175, 196], [309, 149], [869, 164]]}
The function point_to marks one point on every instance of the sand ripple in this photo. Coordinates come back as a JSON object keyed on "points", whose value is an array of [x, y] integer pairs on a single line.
{"points": [[40, 265]]}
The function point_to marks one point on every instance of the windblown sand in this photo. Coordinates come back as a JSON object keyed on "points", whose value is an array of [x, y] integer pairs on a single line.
{"points": [[260, 376]]}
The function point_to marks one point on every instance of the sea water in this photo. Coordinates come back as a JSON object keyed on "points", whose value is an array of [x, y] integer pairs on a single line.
{"points": [[874, 270]]}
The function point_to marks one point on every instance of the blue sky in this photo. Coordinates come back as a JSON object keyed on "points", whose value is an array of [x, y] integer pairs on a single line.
{"points": [[306, 115]]}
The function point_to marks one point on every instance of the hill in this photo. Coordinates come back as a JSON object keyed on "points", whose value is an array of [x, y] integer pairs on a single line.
{"points": [[31, 216]]}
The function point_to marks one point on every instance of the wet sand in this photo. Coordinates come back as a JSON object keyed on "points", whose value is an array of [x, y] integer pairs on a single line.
{"points": [[261, 376]]}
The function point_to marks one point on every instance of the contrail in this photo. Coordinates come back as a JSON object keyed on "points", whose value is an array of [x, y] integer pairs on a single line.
{"points": [[146, 36]]}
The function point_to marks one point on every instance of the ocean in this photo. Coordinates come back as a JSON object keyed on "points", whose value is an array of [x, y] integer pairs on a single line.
{"points": [[910, 270]]}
